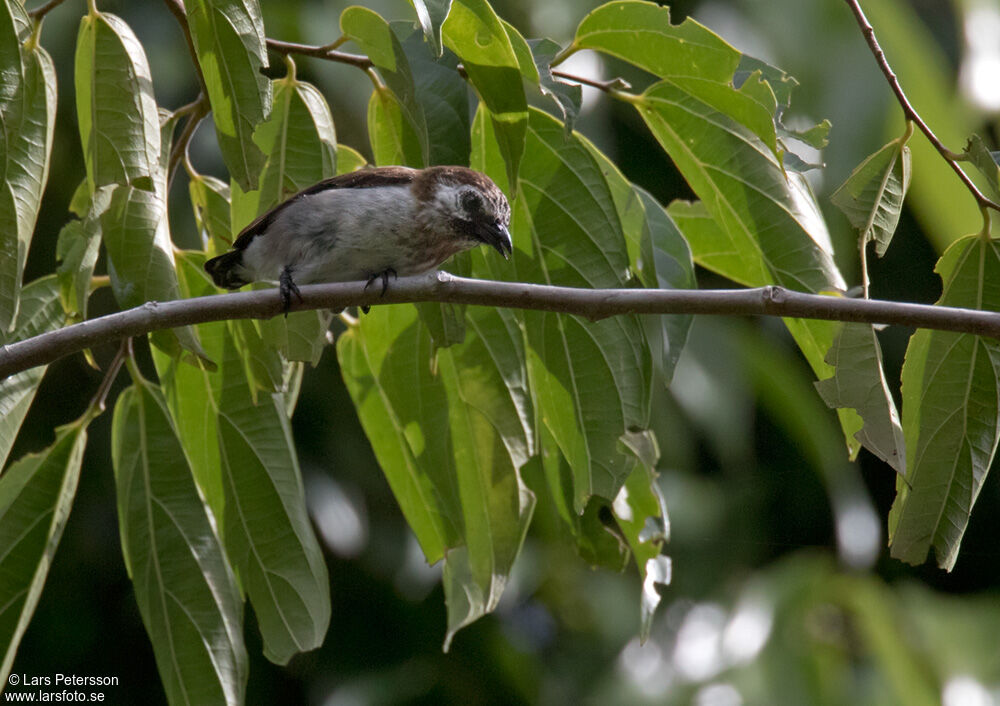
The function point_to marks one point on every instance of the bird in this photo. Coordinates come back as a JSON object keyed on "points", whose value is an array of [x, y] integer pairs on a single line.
{"points": [[368, 224]]}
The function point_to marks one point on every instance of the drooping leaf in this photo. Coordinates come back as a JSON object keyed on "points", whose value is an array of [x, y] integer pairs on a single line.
{"points": [[568, 97], [641, 512], [859, 383], [141, 258], [872, 197], [659, 257], [229, 39], [349, 159], [757, 223], [77, 249], [432, 14], [450, 443], [210, 200], [116, 109], [27, 116], [951, 413], [186, 592], [376, 39], [475, 33], [36, 496], [266, 528], [987, 162], [443, 96], [590, 379], [40, 311]]}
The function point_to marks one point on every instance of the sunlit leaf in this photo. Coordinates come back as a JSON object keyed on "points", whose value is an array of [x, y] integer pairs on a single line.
{"points": [[229, 39], [859, 383], [872, 197], [432, 14], [186, 592], [987, 162], [36, 496], [210, 200], [951, 413], [380, 44], [115, 106], [475, 33], [392, 137], [27, 117]]}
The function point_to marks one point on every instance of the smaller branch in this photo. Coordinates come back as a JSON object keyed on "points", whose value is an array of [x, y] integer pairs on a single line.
{"points": [[98, 402], [326, 52], [176, 8], [196, 112], [910, 112], [611, 86], [42, 10], [442, 287]]}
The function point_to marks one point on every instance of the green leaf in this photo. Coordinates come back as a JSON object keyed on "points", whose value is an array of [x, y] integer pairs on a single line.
{"points": [[859, 383], [266, 528], [951, 413], [872, 197], [116, 109], [432, 14], [450, 442], [210, 201], [36, 496], [298, 140], [443, 96], [392, 137], [756, 224], [658, 256], [27, 107], [641, 513], [349, 159], [186, 592], [987, 162], [191, 391], [229, 40], [590, 379], [141, 258], [379, 42], [77, 249], [567, 96], [641, 33], [475, 33], [40, 312]]}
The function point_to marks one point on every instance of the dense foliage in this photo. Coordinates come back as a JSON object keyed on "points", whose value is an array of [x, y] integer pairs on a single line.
{"points": [[480, 418]]}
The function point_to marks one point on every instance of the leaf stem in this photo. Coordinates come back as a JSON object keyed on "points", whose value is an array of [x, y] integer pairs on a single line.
{"points": [[42, 10], [910, 112], [176, 8], [593, 304], [613, 85], [97, 404], [196, 112], [326, 52]]}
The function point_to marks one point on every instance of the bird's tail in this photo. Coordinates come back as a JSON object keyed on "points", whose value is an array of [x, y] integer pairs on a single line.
{"points": [[227, 270]]}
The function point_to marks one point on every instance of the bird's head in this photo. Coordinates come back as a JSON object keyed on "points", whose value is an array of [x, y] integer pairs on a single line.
{"points": [[466, 205]]}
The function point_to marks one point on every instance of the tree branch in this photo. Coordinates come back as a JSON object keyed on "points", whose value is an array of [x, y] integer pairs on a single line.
{"points": [[178, 10], [325, 52], [910, 112], [42, 10], [443, 287]]}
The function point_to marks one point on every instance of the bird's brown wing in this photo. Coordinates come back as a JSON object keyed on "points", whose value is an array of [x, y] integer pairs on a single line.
{"points": [[361, 179]]}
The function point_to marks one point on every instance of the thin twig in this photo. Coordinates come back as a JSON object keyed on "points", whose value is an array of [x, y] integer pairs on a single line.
{"points": [[609, 86], [42, 10], [324, 52], [196, 112], [908, 110], [178, 10], [442, 287], [124, 351]]}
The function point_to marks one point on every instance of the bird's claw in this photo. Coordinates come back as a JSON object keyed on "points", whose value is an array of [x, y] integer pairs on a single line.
{"points": [[384, 275], [287, 287]]}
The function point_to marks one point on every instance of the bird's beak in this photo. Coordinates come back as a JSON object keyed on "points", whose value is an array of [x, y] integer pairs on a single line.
{"points": [[497, 236]]}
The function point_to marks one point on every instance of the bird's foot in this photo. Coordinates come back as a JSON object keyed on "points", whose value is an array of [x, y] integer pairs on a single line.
{"points": [[287, 287], [384, 275]]}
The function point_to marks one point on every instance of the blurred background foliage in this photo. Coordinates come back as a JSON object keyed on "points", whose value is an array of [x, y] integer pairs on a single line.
{"points": [[782, 590]]}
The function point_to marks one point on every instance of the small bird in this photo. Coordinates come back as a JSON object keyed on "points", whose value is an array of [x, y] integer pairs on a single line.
{"points": [[367, 225]]}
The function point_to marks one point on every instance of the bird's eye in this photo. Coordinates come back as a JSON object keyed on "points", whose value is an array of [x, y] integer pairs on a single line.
{"points": [[471, 202]]}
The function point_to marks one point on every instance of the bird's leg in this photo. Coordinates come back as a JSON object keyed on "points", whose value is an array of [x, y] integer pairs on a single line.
{"points": [[287, 287], [384, 275]]}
